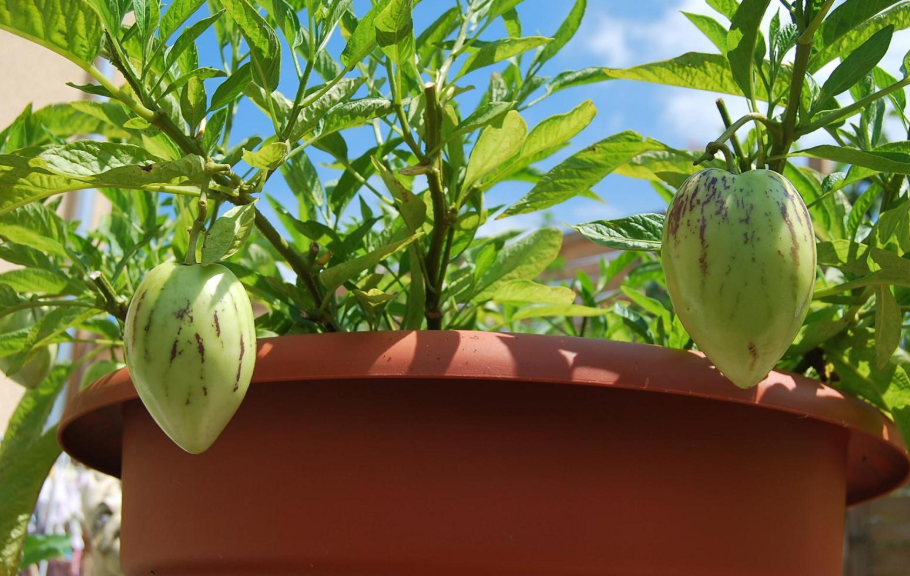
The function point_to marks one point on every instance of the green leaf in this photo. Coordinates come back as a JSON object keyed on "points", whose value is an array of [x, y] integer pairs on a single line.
{"points": [[888, 320], [34, 281], [268, 157], [572, 78], [890, 223], [264, 45], [711, 28], [554, 131], [860, 207], [395, 31], [725, 7], [854, 31], [567, 310], [497, 143], [500, 7], [709, 72], [372, 300], [883, 80], [147, 14], [881, 161], [437, 32], [198, 74], [36, 226], [854, 67], [579, 172], [512, 23], [193, 102], [649, 305], [188, 38], [827, 217], [500, 50], [565, 32], [363, 39], [304, 182], [110, 12], [70, 28], [638, 232], [741, 41], [482, 116], [414, 315], [44, 547], [311, 115], [235, 84], [529, 291], [26, 455], [523, 259], [287, 20], [228, 234], [178, 11], [33, 174], [332, 278], [672, 167], [354, 113], [413, 209]]}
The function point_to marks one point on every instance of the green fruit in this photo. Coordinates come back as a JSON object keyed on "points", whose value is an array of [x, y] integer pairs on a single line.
{"points": [[33, 372], [190, 347], [739, 256]]}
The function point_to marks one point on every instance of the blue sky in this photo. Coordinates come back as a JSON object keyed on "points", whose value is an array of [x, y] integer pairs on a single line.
{"points": [[613, 33]]}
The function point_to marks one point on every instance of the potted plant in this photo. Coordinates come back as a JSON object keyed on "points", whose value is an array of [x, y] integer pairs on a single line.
{"points": [[423, 402]]}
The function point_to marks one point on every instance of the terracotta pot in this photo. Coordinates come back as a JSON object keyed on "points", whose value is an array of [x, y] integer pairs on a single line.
{"points": [[456, 453]]}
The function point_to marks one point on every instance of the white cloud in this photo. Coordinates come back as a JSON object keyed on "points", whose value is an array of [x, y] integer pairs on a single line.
{"points": [[628, 41], [692, 115], [493, 227]]}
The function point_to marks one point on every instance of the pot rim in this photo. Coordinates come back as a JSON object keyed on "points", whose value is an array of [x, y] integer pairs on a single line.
{"points": [[91, 427]]}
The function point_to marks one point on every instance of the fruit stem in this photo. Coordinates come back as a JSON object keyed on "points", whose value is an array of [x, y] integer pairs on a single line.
{"points": [[113, 305], [737, 147], [198, 224], [712, 147]]}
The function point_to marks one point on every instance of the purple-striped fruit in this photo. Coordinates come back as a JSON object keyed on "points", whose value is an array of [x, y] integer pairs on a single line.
{"points": [[190, 347], [739, 257]]}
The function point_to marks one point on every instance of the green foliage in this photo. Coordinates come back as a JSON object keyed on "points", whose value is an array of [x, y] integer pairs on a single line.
{"points": [[26, 456], [395, 239]]}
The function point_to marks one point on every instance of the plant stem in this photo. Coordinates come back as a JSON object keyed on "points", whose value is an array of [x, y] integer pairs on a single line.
{"points": [[737, 147], [300, 266], [808, 34], [456, 50], [435, 274], [784, 141], [198, 227], [113, 305], [395, 82], [295, 109]]}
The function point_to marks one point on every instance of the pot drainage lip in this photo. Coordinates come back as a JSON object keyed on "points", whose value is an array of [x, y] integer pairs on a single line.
{"points": [[91, 427]]}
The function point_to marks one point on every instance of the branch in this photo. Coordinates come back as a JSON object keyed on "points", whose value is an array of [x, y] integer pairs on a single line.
{"points": [[301, 267], [435, 274]]}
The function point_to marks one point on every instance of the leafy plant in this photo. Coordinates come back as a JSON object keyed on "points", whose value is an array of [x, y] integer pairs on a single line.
{"points": [[409, 253], [855, 335]]}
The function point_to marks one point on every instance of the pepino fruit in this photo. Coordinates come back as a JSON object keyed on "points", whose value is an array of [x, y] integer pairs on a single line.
{"points": [[190, 347], [36, 369], [739, 256]]}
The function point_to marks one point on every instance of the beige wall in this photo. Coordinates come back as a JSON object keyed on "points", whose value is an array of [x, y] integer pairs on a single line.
{"points": [[37, 75]]}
